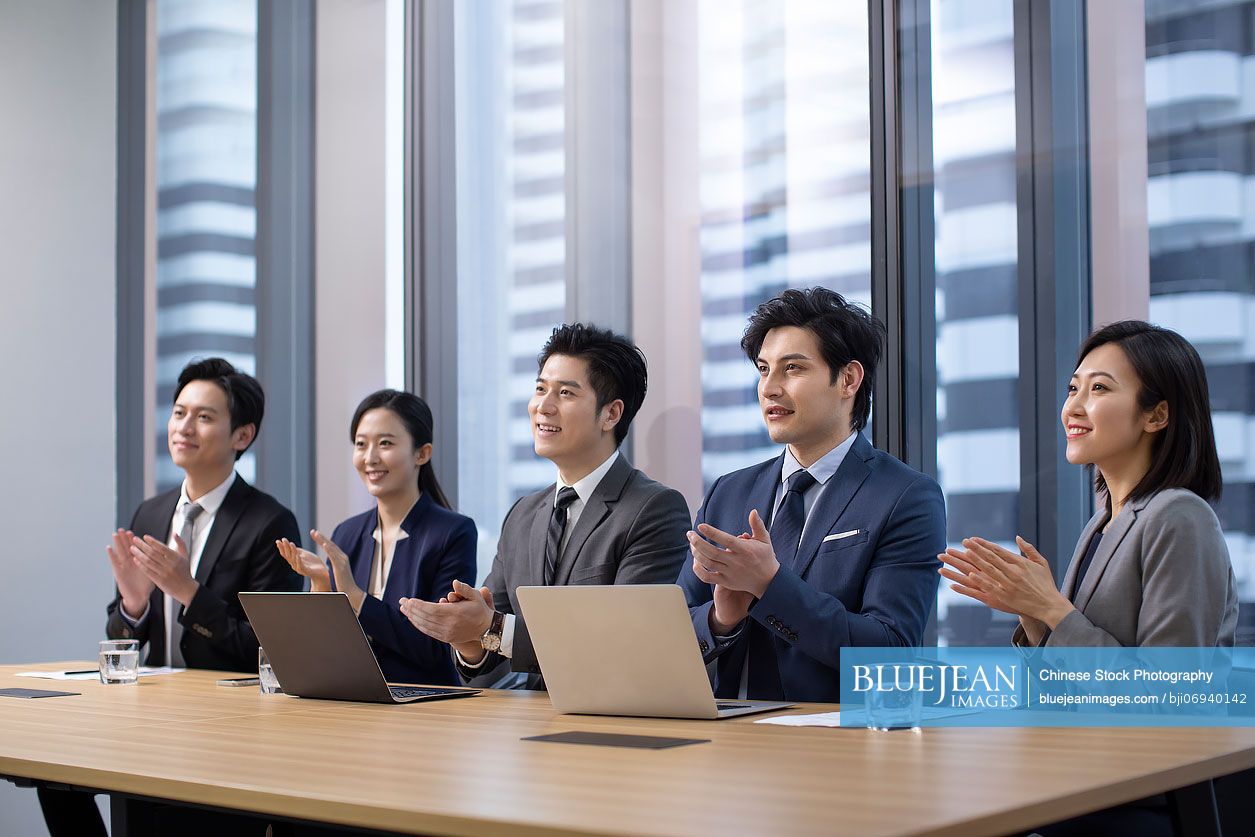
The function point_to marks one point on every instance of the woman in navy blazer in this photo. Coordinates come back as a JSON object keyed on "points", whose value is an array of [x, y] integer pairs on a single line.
{"points": [[411, 545]]}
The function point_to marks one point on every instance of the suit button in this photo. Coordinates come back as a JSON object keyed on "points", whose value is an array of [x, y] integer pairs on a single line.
{"points": [[704, 646]]}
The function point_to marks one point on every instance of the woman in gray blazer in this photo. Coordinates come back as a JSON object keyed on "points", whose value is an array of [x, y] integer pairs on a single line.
{"points": [[1151, 567]]}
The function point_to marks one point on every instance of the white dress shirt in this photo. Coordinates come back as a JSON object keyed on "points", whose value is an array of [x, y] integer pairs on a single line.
{"points": [[583, 490], [209, 503]]}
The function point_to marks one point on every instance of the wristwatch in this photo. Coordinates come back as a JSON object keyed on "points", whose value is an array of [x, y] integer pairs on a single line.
{"points": [[491, 640]]}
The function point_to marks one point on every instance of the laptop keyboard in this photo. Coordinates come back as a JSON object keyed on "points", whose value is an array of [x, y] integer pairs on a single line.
{"points": [[722, 705], [403, 692]]}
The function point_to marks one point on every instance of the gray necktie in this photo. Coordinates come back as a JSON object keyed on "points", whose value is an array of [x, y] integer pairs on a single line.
{"points": [[174, 628]]}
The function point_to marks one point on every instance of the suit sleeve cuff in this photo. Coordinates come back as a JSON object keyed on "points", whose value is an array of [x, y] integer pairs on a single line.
{"points": [[507, 636], [134, 623], [506, 649]]}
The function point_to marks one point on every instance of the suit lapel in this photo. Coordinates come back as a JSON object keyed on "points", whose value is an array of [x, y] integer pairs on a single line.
{"points": [[399, 575], [1082, 543], [536, 543], [402, 572], [1120, 527], [229, 514], [845, 483], [596, 509], [365, 552], [763, 494]]}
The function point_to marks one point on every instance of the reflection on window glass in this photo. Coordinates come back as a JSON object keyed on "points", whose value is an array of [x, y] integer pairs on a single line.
{"points": [[785, 198], [511, 244], [206, 78], [1201, 211], [978, 440]]}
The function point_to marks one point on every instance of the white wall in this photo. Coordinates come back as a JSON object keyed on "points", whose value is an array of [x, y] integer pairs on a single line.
{"points": [[349, 250], [57, 335]]}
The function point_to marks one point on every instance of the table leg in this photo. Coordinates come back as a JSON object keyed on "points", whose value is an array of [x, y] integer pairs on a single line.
{"points": [[1194, 811]]}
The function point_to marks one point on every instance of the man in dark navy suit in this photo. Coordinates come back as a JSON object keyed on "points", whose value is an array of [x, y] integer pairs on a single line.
{"points": [[831, 544]]}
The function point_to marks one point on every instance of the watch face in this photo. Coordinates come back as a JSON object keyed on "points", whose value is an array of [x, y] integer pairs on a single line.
{"points": [[490, 641]]}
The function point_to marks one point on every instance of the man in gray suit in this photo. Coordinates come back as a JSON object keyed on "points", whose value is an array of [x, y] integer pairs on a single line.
{"points": [[602, 522]]}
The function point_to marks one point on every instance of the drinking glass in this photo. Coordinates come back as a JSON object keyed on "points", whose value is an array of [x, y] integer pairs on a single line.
{"points": [[119, 662], [266, 674]]}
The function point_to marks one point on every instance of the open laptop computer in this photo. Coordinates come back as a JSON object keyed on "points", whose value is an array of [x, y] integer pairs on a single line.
{"points": [[318, 650], [623, 650]]}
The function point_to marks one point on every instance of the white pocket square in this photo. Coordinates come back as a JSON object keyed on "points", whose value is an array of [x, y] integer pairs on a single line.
{"points": [[841, 535]]}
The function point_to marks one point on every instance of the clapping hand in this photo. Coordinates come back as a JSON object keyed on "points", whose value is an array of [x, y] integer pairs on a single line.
{"points": [[306, 563], [343, 571], [739, 566], [133, 585], [995, 576], [168, 569], [460, 618]]}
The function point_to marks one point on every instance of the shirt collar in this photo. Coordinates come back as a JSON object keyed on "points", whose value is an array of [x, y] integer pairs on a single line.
{"points": [[401, 533], [378, 534], [823, 468], [213, 500], [585, 487]]}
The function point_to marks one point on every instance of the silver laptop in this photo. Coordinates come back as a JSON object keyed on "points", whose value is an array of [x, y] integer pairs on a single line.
{"points": [[318, 650], [623, 650]]}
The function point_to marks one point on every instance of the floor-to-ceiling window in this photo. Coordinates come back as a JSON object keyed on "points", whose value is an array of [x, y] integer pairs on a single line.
{"points": [[1200, 114], [511, 212], [784, 188], [978, 364], [206, 176]]}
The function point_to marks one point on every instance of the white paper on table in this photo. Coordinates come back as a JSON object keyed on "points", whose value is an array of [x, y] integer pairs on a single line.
{"points": [[822, 719], [83, 674]]}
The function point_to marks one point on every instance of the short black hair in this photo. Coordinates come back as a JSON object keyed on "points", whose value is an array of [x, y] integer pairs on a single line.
{"points": [[616, 367], [845, 331], [245, 399], [416, 416], [1183, 454]]}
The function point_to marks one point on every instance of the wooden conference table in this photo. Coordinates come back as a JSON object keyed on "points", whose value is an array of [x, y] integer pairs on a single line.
{"points": [[459, 766]]}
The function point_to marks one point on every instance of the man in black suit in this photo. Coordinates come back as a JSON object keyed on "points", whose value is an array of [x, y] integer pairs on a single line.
{"points": [[189, 553]]}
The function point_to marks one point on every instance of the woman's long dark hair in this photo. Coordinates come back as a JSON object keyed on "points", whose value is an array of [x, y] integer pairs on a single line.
{"points": [[1183, 454], [416, 416]]}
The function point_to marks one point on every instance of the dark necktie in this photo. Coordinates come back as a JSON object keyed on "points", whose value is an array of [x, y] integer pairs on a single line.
{"points": [[763, 680], [174, 628], [790, 517], [557, 525]]}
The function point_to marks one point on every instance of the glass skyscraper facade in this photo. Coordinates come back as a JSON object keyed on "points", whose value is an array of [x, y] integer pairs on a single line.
{"points": [[1200, 114], [783, 185], [785, 154], [511, 243], [206, 77], [978, 364]]}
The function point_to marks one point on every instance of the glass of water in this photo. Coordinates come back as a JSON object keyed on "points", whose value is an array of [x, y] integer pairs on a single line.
{"points": [[119, 662], [266, 674], [889, 710]]}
